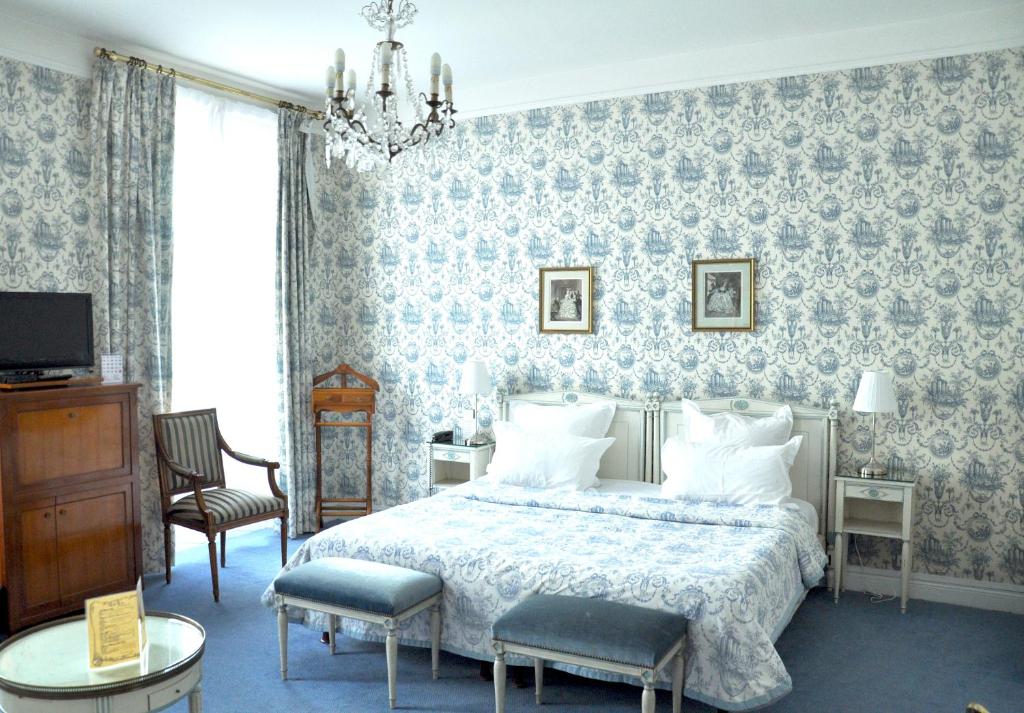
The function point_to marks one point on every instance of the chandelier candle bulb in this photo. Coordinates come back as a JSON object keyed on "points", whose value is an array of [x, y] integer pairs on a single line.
{"points": [[352, 81], [339, 60], [435, 73], [446, 79], [339, 85], [330, 80]]}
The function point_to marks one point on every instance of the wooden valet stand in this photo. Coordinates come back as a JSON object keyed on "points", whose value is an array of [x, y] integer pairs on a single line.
{"points": [[347, 400]]}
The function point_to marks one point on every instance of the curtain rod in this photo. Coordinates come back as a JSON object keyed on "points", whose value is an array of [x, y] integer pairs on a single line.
{"points": [[280, 103]]}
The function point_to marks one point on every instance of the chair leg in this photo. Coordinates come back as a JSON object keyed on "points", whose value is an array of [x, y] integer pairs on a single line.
{"points": [[284, 539], [167, 551], [213, 566], [282, 638], [223, 548], [435, 638], [499, 682], [538, 678], [391, 650], [332, 633]]}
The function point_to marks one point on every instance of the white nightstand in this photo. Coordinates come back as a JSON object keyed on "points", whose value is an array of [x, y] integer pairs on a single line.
{"points": [[882, 507], [452, 464]]}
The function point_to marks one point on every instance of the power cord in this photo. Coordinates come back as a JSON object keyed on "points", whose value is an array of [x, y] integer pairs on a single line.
{"points": [[875, 598]]}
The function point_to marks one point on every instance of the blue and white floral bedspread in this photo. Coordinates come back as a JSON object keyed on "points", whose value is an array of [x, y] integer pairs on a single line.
{"points": [[737, 572]]}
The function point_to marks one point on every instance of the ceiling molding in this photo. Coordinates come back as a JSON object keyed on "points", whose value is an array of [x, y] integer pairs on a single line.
{"points": [[946, 35]]}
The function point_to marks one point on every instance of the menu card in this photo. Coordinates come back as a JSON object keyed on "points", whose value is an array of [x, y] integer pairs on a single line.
{"points": [[117, 628]]}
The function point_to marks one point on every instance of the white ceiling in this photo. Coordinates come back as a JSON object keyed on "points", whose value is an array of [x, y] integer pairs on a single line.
{"points": [[522, 52]]}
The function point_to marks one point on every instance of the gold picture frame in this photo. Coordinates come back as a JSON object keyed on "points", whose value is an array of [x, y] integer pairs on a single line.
{"points": [[722, 295], [566, 304]]}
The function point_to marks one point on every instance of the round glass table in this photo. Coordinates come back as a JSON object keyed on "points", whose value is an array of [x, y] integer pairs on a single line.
{"points": [[46, 669]]}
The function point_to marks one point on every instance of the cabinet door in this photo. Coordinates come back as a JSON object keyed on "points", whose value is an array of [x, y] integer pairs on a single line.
{"points": [[94, 541], [37, 534]]}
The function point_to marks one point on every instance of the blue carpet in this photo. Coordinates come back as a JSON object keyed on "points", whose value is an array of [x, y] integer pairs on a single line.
{"points": [[856, 656]]}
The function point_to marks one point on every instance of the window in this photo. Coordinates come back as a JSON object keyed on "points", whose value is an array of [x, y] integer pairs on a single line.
{"points": [[224, 345]]}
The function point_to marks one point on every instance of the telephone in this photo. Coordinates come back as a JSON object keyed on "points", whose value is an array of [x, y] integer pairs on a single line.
{"points": [[442, 437]]}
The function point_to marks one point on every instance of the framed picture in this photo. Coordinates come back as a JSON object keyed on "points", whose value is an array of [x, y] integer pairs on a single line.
{"points": [[567, 300], [723, 295]]}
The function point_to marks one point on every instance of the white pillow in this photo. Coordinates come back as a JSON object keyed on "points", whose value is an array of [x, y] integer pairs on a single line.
{"points": [[545, 459], [589, 420], [727, 471], [735, 428]]}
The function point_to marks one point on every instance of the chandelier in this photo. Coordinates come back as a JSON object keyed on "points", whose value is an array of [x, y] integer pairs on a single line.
{"points": [[368, 133]]}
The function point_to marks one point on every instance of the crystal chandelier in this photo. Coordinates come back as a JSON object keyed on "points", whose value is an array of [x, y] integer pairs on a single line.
{"points": [[368, 133]]}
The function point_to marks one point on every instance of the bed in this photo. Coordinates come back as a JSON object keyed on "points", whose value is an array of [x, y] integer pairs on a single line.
{"points": [[737, 572]]}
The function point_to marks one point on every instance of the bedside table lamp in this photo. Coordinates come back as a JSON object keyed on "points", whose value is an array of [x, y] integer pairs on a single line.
{"points": [[874, 395], [476, 381]]}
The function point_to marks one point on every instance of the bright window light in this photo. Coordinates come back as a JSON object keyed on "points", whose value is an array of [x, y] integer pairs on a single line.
{"points": [[223, 305]]}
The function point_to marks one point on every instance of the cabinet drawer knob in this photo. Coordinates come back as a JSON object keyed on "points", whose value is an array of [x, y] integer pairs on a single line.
{"points": [[72, 414], [46, 515], [62, 511]]}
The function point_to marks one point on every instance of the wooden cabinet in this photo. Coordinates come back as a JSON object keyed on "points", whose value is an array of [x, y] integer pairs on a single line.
{"points": [[69, 499]]}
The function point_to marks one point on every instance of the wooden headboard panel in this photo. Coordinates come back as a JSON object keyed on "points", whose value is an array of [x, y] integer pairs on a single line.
{"points": [[627, 457], [815, 463]]}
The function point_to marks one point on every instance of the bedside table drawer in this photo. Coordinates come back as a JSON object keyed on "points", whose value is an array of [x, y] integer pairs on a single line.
{"points": [[875, 492], [452, 455]]}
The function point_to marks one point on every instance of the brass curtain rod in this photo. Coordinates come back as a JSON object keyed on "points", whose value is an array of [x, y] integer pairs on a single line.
{"points": [[160, 69]]}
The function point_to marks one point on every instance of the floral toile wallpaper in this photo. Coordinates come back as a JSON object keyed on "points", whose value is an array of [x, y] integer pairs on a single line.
{"points": [[885, 207], [48, 236]]}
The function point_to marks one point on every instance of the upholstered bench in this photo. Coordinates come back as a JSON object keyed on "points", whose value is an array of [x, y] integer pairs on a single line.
{"points": [[367, 591], [608, 636]]}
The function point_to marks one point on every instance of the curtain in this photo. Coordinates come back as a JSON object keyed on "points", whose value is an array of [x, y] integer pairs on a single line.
{"points": [[133, 145], [294, 246]]}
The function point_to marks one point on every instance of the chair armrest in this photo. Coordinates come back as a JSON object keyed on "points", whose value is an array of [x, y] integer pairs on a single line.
{"points": [[252, 460], [270, 465], [178, 469]]}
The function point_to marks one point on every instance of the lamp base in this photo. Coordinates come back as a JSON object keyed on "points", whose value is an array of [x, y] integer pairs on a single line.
{"points": [[873, 469], [478, 439]]}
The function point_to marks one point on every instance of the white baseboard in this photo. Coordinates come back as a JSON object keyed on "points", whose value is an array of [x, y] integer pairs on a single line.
{"points": [[934, 588]]}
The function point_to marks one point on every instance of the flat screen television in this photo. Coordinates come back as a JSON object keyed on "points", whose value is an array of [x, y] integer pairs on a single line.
{"points": [[45, 330]]}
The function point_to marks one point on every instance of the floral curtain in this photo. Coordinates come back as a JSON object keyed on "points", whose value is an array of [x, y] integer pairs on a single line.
{"points": [[295, 236], [133, 144]]}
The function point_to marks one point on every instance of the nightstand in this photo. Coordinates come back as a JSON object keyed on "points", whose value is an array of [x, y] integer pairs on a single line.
{"points": [[453, 464], [882, 507]]}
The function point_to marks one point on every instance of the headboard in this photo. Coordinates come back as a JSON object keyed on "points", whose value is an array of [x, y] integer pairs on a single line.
{"points": [[641, 427], [627, 457], [815, 463]]}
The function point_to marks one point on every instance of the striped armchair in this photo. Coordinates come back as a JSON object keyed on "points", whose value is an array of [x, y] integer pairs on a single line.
{"points": [[189, 449]]}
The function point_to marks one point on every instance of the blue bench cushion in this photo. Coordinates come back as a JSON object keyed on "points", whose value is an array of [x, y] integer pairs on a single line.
{"points": [[597, 628], [358, 584]]}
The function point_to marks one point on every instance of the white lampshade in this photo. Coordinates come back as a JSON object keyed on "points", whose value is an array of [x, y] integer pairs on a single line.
{"points": [[875, 393], [475, 378]]}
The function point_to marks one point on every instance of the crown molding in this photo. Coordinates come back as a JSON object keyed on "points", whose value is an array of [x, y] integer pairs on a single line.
{"points": [[942, 36]]}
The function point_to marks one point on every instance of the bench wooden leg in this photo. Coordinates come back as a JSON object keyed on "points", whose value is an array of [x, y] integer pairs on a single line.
{"points": [[538, 678], [332, 632], [435, 638], [678, 682], [647, 700], [391, 649], [282, 638], [223, 548], [499, 682]]}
